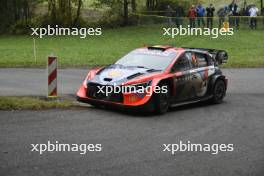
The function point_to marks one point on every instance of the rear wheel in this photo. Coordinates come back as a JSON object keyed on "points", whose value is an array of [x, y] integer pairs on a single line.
{"points": [[162, 100], [219, 92]]}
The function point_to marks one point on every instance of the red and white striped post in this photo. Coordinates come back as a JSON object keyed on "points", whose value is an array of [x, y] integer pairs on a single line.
{"points": [[52, 76]]}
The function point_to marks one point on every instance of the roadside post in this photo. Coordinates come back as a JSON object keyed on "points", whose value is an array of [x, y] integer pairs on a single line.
{"points": [[34, 50], [52, 76]]}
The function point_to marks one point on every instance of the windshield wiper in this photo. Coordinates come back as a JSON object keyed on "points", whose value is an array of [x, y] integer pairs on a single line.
{"points": [[149, 69], [141, 67], [153, 70]]}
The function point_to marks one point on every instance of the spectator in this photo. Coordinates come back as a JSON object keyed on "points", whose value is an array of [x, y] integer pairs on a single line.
{"points": [[200, 10], [247, 10], [179, 15], [221, 14], [169, 14], [244, 12], [210, 14], [192, 15], [253, 16], [233, 17]]}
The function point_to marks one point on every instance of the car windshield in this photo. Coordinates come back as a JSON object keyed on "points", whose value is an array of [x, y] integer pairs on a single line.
{"points": [[145, 58]]}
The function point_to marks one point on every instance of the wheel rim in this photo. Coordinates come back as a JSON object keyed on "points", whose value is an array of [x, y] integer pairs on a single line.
{"points": [[219, 91]]}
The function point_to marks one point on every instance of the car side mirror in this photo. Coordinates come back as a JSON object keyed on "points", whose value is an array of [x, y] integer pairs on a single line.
{"points": [[221, 57]]}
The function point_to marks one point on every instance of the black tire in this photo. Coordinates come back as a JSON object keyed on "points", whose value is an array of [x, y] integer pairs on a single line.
{"points": [[219, 92], [162, 100]]}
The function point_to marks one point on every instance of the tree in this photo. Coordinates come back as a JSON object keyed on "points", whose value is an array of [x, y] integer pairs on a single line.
{"points": [[16, 10], [151, 4], [119, 8], [125, 3], [52, 9], [133, 5], [78, 12], [62, 12]]}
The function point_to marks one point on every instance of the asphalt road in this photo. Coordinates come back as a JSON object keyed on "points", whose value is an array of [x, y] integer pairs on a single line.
{"points": [[132, 143], [21, 81]]}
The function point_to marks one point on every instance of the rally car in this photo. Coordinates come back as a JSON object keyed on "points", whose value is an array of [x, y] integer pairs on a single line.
{"points": [[182, 75]]}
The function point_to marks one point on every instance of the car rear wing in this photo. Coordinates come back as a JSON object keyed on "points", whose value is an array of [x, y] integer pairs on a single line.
{"points": [[219, 56]]}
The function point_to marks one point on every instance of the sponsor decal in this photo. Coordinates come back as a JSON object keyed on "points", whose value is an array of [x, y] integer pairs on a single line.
{"points": [[114, 73]]}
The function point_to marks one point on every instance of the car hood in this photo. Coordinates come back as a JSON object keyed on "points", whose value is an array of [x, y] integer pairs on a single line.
{"points": [[118, 74]]}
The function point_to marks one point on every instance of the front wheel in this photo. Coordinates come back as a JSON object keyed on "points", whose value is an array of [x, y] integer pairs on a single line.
{"points": [[162, 100], [219, 92]]}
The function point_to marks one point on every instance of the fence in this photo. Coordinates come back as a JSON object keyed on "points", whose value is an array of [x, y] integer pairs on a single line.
{"points": [[159, 17]]}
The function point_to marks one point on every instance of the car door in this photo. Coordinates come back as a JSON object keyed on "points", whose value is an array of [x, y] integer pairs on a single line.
{"points": [[182, 79], [199, 74]]}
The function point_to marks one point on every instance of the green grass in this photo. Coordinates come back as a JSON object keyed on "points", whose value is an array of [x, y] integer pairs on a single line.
{"points": [[245, 47], [32, 103]]}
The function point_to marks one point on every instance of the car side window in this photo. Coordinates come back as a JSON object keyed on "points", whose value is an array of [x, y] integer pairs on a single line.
{"points": [[183, 63], [210, 60], [192, 59], [201, 59]]}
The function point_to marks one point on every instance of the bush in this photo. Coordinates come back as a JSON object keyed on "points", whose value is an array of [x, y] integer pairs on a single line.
{"points": [[109, 21], [20, 27]]}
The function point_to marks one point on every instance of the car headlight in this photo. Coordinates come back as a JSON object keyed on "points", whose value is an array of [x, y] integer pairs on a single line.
{"points": [[140, 87], [88, 78]]}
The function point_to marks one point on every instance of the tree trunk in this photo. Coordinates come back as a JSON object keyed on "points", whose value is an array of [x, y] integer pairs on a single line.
{"points": [[69, 12], [148, 4], [125, 12], [53, 9], [133, 5], [78, 13], [151, 4], [16, 15]]}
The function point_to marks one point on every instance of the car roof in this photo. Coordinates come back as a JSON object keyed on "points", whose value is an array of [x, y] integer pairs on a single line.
{"points": [[173, 48]]}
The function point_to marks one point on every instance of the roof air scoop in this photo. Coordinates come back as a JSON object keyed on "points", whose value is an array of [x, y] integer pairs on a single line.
{"points": [[134, 75], [159, 47], [108, 79]]}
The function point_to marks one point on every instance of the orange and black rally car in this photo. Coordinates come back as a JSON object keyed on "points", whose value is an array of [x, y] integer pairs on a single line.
{"points": [[157, 77]]}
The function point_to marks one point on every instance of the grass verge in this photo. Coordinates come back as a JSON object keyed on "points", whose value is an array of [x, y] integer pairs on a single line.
{"points": [[33, 103], [245, 47]]}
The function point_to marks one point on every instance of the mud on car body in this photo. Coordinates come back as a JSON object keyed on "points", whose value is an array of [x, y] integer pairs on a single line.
{"points": [[189, 75]]}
